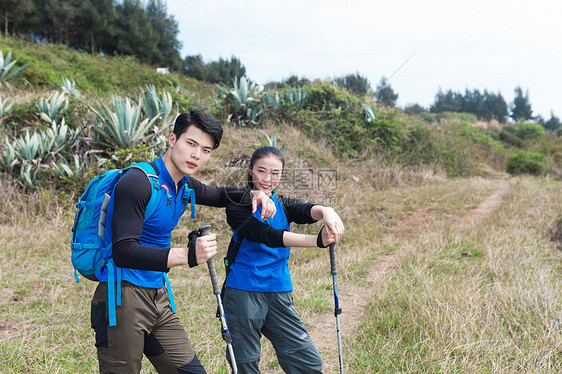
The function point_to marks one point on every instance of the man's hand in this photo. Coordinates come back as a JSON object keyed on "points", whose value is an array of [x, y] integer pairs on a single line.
{"points": [[205, 248], [268, 209]]}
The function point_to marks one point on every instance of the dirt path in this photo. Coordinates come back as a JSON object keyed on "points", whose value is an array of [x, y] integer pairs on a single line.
{"points": [[354, 300]]}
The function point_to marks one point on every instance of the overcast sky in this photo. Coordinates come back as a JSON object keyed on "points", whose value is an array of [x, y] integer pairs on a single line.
{"points": [[495, 45]]}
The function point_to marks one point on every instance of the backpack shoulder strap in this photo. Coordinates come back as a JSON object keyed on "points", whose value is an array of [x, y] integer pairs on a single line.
{"points": [[232, 253], [188, 196], [152, 174], [228, 261]]}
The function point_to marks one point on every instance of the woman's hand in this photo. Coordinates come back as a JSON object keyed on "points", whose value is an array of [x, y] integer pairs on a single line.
{"points": [[327, 238], [333, 224]]}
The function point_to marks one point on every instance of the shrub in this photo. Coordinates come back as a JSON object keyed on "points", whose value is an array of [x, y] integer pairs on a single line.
{"points": [[524, 162], [386, 132], [460, 116], [508, 135], [529, 130], [419, 147], [325, 95], [414, 109]]}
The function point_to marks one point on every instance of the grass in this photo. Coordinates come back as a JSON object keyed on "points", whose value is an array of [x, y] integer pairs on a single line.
{"points": [[100, 75], [476, 297], [493, 312], [437, 310]]}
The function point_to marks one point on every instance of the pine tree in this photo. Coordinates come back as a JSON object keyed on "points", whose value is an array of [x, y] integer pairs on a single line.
{"points": [[447, 102], [384, 94], [356, 83], [96, 18], [521, 107], [14, 15], [166, 28], [134, 35]]}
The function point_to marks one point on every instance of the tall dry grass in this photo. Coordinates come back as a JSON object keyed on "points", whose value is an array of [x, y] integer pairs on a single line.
{"points": [[439, 311], [493, 310]]}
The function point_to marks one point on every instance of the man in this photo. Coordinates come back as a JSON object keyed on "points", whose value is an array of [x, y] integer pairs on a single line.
{"points": [[145, 321]]}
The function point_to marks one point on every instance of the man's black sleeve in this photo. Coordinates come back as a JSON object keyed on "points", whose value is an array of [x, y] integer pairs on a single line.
{"points": [[132, 194], [296, 210], [240, 218], [218, 196]]}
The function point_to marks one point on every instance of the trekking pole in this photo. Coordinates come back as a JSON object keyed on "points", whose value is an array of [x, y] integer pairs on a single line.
{"points": [[202, 231], [337, 309]]}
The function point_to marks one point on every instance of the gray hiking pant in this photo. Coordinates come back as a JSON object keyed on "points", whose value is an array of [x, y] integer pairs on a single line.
{"points": [[145, 324], [251, 314]]}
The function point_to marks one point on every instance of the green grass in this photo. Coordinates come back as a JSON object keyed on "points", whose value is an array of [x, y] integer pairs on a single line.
{"points": [[438, 311], [93, 74], [492, 312]]}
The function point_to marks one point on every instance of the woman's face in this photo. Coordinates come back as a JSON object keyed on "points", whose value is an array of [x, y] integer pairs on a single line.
{"points": [[266, 173]]}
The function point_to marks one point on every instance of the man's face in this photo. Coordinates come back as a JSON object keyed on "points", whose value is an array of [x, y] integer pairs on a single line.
{"points": [[191, 151]]}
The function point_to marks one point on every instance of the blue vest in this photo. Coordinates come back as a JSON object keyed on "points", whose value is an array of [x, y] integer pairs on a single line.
{"points": [[156, 232], [259, 267]]}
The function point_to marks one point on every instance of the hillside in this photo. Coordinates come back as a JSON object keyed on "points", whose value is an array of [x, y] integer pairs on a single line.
{"points": [[449, 263], [57, 84]]}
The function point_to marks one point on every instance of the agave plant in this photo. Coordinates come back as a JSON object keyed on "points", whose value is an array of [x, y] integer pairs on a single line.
{"points": [[46, 142], [271, 141], [68, 87], [27, 148], [58, 135], [65, 170], [53, 107], [5, 108], [157, 105], [253, 115], [7, 71], [121, 128], [159, 144], [369, 113], [9, 157], [28, 176], [244, 100], [273, 102], [244, 93], [296, 98]]}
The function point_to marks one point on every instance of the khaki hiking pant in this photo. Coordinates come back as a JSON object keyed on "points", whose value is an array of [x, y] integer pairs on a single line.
{"points": [[145, 325]]}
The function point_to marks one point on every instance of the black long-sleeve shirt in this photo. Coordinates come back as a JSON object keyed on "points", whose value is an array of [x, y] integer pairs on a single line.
{"points": [[240, 218], [132, 194]]}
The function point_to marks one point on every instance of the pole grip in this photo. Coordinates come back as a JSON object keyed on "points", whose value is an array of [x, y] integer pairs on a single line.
{"points": [[333, 258], [213, 274], [202, 231]]}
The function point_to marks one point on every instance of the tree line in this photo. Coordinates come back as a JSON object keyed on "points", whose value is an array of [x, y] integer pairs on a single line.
{"points": [[486, 105], [125, 27], [489, 105], [143, 28]]}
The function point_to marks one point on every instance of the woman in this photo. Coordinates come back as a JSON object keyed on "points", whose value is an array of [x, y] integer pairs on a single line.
{"points": [[258, 293]]}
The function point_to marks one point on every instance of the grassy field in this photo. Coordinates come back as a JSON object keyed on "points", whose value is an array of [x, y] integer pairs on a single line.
{"points": [[468, 289], [435, 274]]}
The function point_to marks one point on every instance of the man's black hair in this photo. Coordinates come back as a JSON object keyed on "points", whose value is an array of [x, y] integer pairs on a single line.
{"points": [[202, 121]]}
